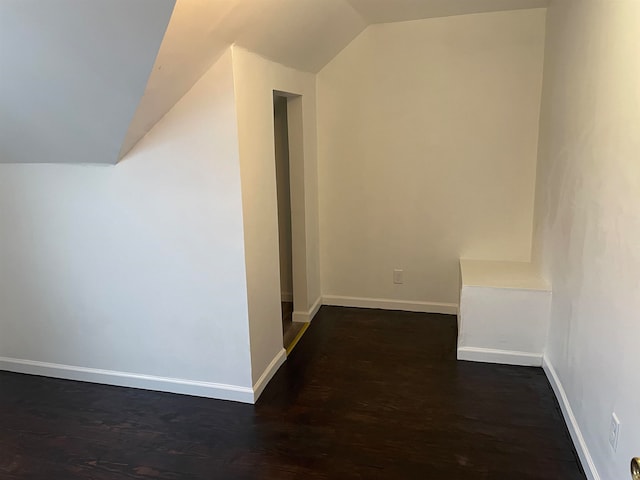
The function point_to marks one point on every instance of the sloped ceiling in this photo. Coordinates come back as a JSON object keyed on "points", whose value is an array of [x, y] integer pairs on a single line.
{"points": [[72, 74], [303, 34], [79, 84]]}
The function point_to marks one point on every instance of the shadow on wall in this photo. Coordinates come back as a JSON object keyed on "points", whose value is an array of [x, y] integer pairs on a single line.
{"points": [[118, 268]]}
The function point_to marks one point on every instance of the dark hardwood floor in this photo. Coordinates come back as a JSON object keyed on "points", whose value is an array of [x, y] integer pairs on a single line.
{"points": [[366, 394]]}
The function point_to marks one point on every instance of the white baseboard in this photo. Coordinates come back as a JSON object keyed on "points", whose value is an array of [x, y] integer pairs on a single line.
{"points": [[124, 379], [308, 316], [268, 374], [507, 357], [586, 459], [388, 304], [286, 297]]}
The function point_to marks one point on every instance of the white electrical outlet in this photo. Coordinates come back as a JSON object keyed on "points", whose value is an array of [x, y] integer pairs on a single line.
{"points": [[398, 276], [614, 431]]}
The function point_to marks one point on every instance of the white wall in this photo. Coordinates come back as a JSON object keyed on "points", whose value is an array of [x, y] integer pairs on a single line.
{"points": [[72, 75], [255, 80], [588, 222], [427, 136], [291, 32], [136, 268]]}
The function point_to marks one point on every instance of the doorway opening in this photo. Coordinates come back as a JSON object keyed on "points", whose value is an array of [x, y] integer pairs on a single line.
{"points": [[291, 330]]}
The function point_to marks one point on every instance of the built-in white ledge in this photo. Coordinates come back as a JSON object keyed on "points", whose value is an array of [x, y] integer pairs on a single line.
{"points": [[504, 312]]}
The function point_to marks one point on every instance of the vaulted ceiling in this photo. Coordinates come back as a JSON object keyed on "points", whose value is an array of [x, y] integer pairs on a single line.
{"points": [[303, 34], [78, 84]]}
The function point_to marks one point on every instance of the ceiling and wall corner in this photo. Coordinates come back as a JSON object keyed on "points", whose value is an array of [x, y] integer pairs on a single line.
{"points": [[190, 47], [72, 75], [300, 34], [293, 33], [82, 85]]}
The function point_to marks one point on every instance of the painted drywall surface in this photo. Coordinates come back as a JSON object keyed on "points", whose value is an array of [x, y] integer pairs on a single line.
{"points": [[427, 136], [189, 47], [255, 80], [73, 73], [587, 217], [281, 144], [290, 32], [137, 267]]}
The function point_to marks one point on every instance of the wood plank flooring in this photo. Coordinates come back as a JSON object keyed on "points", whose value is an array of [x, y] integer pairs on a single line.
{"points": [[366, 394]]}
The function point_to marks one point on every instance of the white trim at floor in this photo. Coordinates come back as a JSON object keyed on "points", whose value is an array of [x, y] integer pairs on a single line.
{"points": [[389, 304], [268, 374], [308, 315], [134, 380], [586, 459]]}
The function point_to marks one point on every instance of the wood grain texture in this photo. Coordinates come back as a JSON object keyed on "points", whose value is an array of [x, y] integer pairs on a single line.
{"points": [[366, 394]]}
